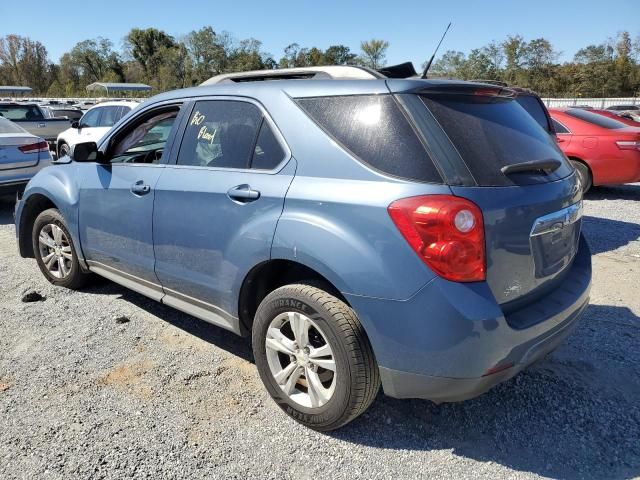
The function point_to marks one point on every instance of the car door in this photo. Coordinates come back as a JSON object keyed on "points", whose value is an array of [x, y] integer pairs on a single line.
{"points": [[116, 200], [217, 207]]}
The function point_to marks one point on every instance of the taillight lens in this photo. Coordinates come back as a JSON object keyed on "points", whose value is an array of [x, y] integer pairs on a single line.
{"points": [[34, 147], [446, 232], [628, 145]]}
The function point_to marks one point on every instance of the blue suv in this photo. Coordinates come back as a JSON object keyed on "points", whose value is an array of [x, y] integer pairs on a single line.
{"points": [[421, 235]]}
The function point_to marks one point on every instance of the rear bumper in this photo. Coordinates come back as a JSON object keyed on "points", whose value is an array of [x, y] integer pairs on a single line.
{"points": [[401, 384], [443, 343]]}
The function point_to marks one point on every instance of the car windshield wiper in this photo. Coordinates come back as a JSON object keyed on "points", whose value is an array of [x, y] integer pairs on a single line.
{"points": [[548, 166]]}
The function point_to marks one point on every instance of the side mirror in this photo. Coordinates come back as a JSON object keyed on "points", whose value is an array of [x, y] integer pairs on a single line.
{"points": [[75, 124], [86, 152]]}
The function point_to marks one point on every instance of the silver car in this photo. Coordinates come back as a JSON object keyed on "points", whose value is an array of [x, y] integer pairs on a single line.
{"points": [[22, 155]]}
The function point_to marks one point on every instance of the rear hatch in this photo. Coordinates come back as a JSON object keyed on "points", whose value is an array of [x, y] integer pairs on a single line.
{"points": [[492, 152]]}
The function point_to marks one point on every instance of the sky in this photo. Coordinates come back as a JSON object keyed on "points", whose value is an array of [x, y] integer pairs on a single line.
{"points": [[412, 27]]}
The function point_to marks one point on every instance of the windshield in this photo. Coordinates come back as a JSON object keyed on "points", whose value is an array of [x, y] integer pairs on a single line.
{"points": [[491, 132], [9, 127]]}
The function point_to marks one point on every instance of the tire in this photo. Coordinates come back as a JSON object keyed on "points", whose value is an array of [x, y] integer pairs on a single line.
{"points": [[63, 268], [584, 174], [348, 390], [63, 149]]}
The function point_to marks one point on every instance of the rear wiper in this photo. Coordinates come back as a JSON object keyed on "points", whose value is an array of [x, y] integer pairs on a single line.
{"points": [[547, 166]]}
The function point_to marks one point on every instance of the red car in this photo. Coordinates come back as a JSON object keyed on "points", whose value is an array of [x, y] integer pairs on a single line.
{"points": [[604, 151]]}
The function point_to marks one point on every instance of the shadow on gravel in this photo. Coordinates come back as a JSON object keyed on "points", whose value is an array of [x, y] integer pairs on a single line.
{"points": [[617, 192], [605, 235], [218, 336], [7, 203], [566, 417]]}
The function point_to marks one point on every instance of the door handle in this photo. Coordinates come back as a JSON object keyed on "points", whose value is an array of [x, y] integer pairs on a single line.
{"points": [[140, 188], [243, 193]]}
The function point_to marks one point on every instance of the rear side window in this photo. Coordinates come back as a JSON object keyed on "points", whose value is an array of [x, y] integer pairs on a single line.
{"points": [[268, 152], [374, 130], [534, 108], [110, 115], [221, 133], [559, 127], [229, 134], [595, 119], [493, 132]]}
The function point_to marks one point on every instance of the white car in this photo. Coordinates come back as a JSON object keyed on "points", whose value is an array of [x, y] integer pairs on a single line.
{"points": [[94, 124]]}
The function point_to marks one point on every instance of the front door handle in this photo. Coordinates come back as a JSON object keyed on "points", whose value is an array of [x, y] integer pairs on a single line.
{"points": [[243, 193], [140, 188]]}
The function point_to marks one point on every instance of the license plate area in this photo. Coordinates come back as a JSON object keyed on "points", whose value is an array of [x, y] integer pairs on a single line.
{"points": [[554, 240]]}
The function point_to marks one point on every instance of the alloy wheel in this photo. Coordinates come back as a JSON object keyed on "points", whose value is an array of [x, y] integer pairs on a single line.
{"points": [[55, 251], [301, 359]]}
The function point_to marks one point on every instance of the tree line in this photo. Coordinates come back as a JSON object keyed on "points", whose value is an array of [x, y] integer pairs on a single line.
{"points": [[165, 62]]}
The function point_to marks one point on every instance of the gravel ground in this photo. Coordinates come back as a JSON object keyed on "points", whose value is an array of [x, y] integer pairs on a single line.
{"points": [[107, 384]]}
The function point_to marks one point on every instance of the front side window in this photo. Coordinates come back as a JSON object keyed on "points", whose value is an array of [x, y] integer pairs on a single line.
{"points": [[91, 118], [146, 141], [221, 133]]}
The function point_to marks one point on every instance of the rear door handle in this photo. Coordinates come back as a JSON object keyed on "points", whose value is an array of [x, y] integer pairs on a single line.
{"points": [[243, 193], [140, 188]]}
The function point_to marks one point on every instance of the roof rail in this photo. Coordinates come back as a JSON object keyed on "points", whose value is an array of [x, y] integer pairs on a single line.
{"points": [[330, 72]]}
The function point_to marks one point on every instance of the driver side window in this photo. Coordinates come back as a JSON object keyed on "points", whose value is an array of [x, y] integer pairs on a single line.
{"points": [[145, 141], [91, 118]]}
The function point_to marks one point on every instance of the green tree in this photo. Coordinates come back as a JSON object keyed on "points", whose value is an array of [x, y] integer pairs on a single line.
{"points": [[207, 53], [374, 53], [24, 62], [145, 47], [339, 55]]}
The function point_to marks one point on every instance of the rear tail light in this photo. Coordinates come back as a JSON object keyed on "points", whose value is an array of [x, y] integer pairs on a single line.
{"points": [[628, 145], [446, 232], [34, 147]]}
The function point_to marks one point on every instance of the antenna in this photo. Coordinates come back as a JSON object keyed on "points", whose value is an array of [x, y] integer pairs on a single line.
{"points": [[426, 69]]}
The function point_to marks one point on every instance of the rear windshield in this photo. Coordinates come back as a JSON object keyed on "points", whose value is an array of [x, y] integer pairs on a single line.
{"points": [[535, 109], [493, 132], [596, 119], [375, 131], [9, 127], [21, 112]]}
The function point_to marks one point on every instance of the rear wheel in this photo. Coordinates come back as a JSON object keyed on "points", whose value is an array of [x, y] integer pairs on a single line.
{"points": [[54, 251], [314, 357], [583, 174]]}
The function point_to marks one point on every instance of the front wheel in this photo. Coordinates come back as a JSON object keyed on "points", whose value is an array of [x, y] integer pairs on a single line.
{"points": [[314, 357], [54, 251], [63, 150]]}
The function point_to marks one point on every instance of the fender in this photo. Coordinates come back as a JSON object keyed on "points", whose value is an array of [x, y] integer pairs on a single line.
{"points": [[356, 247], [59, 184]]}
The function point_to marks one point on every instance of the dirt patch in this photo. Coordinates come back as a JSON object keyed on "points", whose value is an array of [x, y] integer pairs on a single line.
{"points": [[131, 377]]}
